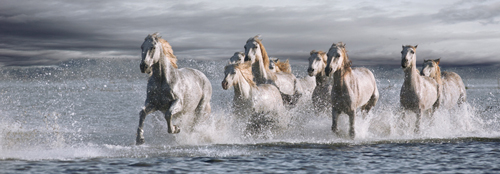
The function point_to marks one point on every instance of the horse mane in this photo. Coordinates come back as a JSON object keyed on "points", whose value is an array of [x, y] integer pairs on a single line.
{"points": [[167, 49], [284, 66], [265, 57], [246, 71], [346, 63]]}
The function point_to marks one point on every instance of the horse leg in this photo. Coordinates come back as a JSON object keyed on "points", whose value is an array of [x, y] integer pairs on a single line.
{"points": [[419, 113], [202, 111], [173, 110], [335, 115], [368, 106], [298, 92], [351, 115], [142, 116]]}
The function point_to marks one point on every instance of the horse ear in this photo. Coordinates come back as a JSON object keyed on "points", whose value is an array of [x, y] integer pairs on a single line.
{"points": [[343, 44], [403, 46], [311, 53], [416, 46], [437, 61], [257, 37]]}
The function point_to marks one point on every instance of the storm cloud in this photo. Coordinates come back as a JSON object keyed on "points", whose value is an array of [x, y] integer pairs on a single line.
{"points": [[45, 32]]}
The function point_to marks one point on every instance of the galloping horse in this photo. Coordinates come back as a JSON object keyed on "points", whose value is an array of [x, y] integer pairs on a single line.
{"points": [[451, 84], [418, 93], [261, 102], [286, 82], [322, 94], [352, 87], [176, 92]]}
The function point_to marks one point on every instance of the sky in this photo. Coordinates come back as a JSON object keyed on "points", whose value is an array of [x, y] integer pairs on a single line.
{"points": [[47, 32]]}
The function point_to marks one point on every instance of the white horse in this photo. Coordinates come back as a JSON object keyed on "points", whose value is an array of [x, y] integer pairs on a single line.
{"points": [[176, 92], [307, 84], [322, 94], [418, 93], [452, 87], [352, 87], [286, 82], [261, 102], [237, 58]]}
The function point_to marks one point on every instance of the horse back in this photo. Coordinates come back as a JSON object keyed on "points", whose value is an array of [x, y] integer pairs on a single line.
{"points": [[453, 89], [193, 84], [452, 78]]}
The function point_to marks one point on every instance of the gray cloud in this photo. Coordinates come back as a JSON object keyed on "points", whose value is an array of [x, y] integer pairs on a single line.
{"points": [[46, 32], [486, 12]]}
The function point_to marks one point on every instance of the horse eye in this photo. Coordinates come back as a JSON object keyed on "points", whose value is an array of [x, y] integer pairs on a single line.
{"points": [[413, 52]]}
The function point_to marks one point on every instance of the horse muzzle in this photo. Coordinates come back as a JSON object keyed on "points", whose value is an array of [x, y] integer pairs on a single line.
{"points": [[144, 68], [328, 70], [225, 85], [310, 71], [404, 65]]}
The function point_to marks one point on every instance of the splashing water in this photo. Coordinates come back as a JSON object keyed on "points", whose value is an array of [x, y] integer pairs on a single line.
{"points": [[89, 109]]}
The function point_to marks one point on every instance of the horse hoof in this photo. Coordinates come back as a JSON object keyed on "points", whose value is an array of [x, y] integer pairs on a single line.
{"points": [[335, 130], [352, 135], [176, 129], [139, 141]]}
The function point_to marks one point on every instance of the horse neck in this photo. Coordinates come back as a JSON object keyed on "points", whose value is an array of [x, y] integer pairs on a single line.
{"points": [[412, 76], [341, 74], [437, 76], [165, 70], [242, 87], [261, 74]]}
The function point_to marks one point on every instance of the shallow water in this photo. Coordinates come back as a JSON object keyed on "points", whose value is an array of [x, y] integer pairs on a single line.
{"points": [[82, 116]]}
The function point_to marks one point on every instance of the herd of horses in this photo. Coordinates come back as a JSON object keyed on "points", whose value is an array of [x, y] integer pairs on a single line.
{"points": [[264, 87]]}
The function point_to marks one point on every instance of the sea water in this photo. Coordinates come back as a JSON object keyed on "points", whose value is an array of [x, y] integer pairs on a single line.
{"points": [[82, 116]]}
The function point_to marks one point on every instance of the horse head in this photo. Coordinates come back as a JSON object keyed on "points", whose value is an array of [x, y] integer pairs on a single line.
{"points": [[430, 68], [317, 62], [151, 51], [238, 57], [408, 56], [337, 57], [229, 75], [255, 51], [272, 65]]}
